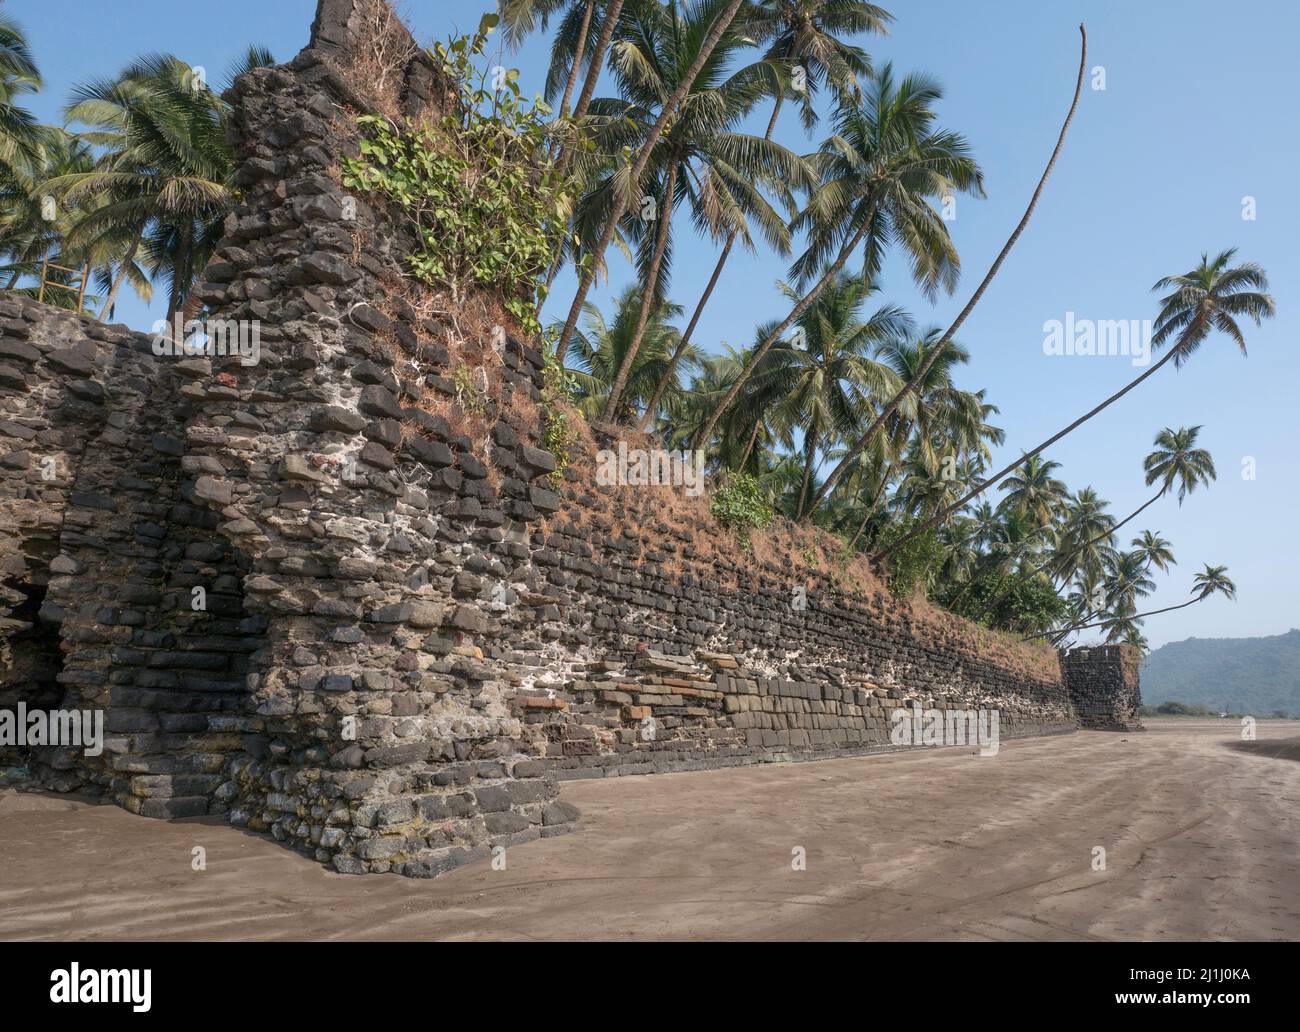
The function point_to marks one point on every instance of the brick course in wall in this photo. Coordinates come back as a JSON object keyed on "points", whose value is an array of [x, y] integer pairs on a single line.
{"points": [[412, 636]]}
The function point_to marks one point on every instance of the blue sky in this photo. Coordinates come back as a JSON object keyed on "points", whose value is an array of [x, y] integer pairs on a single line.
{"points": [[1155, 170]]}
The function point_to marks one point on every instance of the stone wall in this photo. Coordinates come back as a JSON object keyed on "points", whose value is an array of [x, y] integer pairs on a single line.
{"points": [[1103, 683], [412, 632]]}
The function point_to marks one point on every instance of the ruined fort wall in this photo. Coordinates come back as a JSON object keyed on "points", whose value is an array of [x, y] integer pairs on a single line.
{"points": [[414, 633]]}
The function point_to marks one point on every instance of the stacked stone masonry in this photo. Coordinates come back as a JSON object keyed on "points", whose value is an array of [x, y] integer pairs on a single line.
{"points": [[408, 636]]}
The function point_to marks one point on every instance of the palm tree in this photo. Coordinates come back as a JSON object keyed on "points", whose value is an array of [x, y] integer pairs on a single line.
{"points": [[1212, 296], [1035, 493], [1212, 580], [1085, 539], [1176, 459], [20, 133], [165, 180], [943, 343], [880, 170], [826, 377], [719, 18], [808, 34], [1155, 551], [569, 49], [30, 235], [600, 351], [799, 33], [701, 155]]}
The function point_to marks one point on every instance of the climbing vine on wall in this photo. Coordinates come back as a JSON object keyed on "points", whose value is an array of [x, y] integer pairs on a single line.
{"points": [[477, 185]]}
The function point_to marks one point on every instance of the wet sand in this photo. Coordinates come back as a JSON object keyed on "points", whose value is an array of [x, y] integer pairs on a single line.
{"points": [[1201, 832]]}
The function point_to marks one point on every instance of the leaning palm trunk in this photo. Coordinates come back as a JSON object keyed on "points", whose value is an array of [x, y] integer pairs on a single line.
{"points": [[653, 406], [564, 155], [720, 25], [116, 285], [647, 297], [607, 28], [810, 452], [1102, 536], [1118, 619], [804, 303], [946, 339], [577, 57], [685, 341], [981, 488]]}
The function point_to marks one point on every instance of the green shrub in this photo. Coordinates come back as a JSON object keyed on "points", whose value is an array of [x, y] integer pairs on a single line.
{"points": [[739, 503], [477, 186]]}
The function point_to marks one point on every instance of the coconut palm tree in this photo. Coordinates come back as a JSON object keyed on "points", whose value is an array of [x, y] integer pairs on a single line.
{"points": [[20, 133], [165, 180], [702, 156], [718, 16], [825, 374], [1212, 296], [600, 349], [880, 170], [1176, 460], [1085, 540], [1154, 550], [810, 35], [1035, 493], [803, 34], [944, 341], [1211, 580], [520, 18]]}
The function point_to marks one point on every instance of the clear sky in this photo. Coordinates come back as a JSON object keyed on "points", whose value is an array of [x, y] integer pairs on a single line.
{"points": [[1194, 117]]}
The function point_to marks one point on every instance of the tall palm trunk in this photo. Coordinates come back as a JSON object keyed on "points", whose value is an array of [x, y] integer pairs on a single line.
{"points": [[577, 57], [875, 503], [662, 232], [116, 285], [720, 25], [607, 28], [564, 155], [685, 341], [946, 339], [981, 488], [804, 303], [810, 452], [753, 439]]}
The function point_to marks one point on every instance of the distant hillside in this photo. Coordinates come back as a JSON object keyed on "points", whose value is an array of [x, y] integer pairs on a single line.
{"points": [[1241, 675]]}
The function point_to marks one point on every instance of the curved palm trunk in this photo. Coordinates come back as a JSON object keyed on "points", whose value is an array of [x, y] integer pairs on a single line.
{"points": [[720, 25], [944, 341], [1118, 619], [577, 56], [831, 272], [753, 439], [981, 488], [127, 259], [685, 341], [647, 297], [875, 503], [1102, 536], [810, 452], [607, 28], [662, 386], [563, 156]]}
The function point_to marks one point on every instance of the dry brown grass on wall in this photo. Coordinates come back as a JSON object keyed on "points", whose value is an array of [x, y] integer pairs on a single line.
{"points": [[384, 48]]}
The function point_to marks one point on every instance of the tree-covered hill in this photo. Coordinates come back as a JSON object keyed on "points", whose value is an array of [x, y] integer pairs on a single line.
{"points": [[1243, 675]]}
